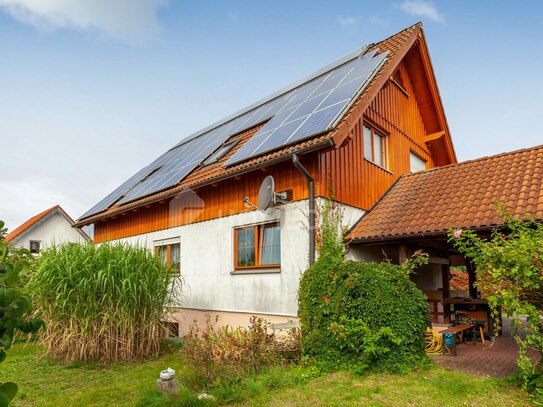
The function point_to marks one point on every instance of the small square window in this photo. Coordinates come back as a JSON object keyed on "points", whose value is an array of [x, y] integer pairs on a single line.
{"points": [[35, 246], [416, 163], [171, 329]]}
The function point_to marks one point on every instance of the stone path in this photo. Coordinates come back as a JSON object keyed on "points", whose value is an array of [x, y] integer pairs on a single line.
{"points": [[497, 359]]}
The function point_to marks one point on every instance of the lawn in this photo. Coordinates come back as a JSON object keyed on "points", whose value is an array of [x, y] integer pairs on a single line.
{"points": [[44, 383]]}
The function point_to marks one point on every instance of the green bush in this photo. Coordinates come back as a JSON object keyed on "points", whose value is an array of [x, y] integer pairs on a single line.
{"points": [[365, 314], [101, 303], [370, 313], [15, 305]]}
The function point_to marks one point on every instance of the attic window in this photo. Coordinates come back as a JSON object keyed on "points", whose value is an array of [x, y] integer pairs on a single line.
{"points": [[397, 80], [416, 163], [375, 146], [220, 153]]}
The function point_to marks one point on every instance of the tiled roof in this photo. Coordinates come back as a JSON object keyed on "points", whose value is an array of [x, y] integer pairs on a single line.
{"points": [[213, 173], [460, 195], [11, 236]]}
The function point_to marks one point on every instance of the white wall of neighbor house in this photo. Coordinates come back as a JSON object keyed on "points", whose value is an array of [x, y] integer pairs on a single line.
{"points": [[209, 282], [54, 230]]}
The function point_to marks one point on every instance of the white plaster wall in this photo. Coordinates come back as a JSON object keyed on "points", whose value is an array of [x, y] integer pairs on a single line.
{"points": [[54, 230], [207, 250]]}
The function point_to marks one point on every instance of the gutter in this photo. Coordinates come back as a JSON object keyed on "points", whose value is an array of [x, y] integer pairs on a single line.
{"points": [[311, 185]]}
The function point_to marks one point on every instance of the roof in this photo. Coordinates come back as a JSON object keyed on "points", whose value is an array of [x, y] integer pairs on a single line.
{"points": [[460, 196], [396, 46], [34, 221]]}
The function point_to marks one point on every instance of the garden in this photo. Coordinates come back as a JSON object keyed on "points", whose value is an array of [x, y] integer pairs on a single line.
{"points": [[83, 325]]}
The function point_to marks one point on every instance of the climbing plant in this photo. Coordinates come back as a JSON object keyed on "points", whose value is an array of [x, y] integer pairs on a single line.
{"points": [[509, 267]]}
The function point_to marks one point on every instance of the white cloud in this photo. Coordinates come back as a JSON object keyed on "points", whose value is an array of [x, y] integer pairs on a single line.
{"points": [[422, 8], [347, 21], [125, 20], [377, 21]]}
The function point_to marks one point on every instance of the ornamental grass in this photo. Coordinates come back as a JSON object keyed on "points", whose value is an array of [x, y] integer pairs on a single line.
{"points": [[101, 303]]}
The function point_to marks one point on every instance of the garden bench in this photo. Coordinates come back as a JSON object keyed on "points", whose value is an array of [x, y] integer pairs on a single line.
{"points": [[454, 330]]}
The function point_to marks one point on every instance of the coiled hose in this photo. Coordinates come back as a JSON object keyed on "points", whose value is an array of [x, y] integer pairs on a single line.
{"points": [[434, 343]]}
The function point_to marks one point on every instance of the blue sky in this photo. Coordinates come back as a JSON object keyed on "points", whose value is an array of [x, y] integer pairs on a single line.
{"points": [[93, 90]]}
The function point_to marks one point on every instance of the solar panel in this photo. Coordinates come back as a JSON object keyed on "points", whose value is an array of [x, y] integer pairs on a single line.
{"points": [[313, 107], [303, 109]]}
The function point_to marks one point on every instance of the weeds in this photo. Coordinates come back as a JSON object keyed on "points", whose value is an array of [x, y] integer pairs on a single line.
{"points": [[226, 353]]}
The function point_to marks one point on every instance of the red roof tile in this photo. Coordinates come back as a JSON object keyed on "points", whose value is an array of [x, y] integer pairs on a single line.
{"points": [[460, 195]]}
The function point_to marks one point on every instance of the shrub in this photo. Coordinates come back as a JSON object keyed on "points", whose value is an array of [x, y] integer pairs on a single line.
{"points": [[509, 266], [15, 305], [369, 314], [227, 354], [101, 303]]}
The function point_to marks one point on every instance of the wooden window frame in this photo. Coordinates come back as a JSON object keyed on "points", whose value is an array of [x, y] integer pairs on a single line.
{"points": [[411, 152], [169, 254], [259, 238], [383, 137]]}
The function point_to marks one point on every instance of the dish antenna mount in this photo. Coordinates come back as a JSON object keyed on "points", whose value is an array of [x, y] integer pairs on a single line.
{"points": [[267, 196]]}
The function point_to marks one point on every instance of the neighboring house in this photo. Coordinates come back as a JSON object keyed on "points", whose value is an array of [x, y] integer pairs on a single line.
{"points": [[48, 228], [347, 132], [418, 211]]}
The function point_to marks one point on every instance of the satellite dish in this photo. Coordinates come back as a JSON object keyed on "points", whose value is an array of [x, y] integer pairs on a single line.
{"points": [[266, 193]]}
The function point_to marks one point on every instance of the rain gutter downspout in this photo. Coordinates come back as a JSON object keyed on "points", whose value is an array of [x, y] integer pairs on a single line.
{"points": [[311, 215]]}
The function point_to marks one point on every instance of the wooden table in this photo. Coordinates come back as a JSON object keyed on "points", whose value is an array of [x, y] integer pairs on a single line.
{"points": [[454, 330]]}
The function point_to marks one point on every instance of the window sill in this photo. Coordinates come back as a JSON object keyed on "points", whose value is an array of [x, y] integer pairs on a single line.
{"points": [[378, 166], [256, 271]]}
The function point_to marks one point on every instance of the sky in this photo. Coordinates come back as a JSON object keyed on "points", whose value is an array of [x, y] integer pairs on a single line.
{"points": [[93, 90]]}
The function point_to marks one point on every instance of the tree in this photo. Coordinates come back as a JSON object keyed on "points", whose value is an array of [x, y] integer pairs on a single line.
{"points": [[15, 308], [510, 275]]}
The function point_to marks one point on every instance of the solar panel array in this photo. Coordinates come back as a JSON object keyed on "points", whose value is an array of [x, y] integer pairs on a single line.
{"points": [[298, 113], [312, 108]]}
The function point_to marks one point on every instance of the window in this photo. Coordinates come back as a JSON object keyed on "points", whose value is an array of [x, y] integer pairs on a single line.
{"points": [[171, 329], [220, 153], [417, 163], [374, 146], [257, 246], [35, 246], [170, 254]]}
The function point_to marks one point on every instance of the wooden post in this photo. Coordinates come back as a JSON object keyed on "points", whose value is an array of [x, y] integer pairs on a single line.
{"points": [[471, 279], [446, 292], [402, 254]]}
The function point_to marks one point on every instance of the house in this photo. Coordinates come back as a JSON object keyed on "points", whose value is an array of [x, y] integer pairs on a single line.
{"points": [[50, 227], [347, 131], [418, 211]]}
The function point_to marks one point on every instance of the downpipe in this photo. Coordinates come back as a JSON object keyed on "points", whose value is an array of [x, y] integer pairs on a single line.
{"points": [[311, 215]]}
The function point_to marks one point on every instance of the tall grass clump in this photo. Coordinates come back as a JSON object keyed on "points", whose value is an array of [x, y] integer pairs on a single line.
{"points": [[101, 303]]}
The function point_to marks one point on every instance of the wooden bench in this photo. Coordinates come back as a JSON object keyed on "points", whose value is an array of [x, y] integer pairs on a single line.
{"points": [[454, 330]]}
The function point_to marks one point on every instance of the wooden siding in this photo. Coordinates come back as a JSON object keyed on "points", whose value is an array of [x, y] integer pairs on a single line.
{"points": [[345, 174], [223, 199]]}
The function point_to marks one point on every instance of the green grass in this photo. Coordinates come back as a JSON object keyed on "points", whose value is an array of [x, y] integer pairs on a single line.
{"points": [[45, 383]]}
